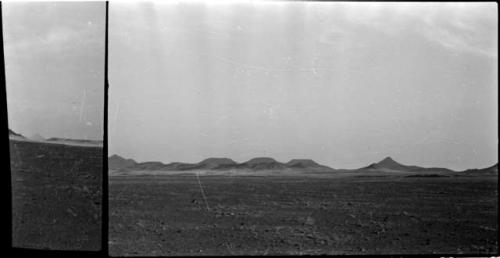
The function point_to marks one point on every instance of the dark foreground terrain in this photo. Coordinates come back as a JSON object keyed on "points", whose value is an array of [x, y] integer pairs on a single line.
{"points": [[245, 215], [56, 191]]}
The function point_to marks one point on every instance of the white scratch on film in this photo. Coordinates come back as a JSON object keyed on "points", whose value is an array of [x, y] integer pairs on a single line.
{"points": [[202, 192]]}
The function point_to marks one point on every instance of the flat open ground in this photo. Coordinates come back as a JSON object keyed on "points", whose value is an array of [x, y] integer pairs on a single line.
{"points": [[245, 215], [56, 191]]}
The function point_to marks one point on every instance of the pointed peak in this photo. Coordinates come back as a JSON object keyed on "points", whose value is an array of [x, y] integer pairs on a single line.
{"points": [[388, 161], [388, 158]]}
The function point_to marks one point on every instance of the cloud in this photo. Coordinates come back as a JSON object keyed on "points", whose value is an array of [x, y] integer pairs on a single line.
{"points": [[52, 28], [458, 41], [458, 27]]}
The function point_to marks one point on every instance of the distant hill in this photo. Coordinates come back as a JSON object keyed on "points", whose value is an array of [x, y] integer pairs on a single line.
{"points": [[262, 163], [56, 139], [79, 142], [159, 166], [493, 170], [37, 137], [149, 165], [181, 166], [117, 162], [305, 163], [389, 164], [217, 163]]}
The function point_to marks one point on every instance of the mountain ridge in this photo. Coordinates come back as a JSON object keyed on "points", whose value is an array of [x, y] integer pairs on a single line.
{"points": [[387, 164], [259, 163]]}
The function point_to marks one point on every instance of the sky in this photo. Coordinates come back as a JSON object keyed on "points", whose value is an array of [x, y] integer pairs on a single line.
{"points": [[344, 84], [54, 62]]}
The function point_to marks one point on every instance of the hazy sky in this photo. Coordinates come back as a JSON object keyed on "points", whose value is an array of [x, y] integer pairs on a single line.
{"points": [[54, 55], [345, 84]]}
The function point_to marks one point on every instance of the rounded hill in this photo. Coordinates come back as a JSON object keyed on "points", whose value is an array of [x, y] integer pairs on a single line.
{"points": [[213, 163], [263, 163]]}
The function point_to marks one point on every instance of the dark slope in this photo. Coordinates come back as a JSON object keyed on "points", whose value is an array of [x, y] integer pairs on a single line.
{"points": [[12, 133], [493, 170], [56, 196], [56, 139]]}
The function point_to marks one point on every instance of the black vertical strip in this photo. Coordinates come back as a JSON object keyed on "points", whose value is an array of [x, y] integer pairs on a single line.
{"points": [[105, 208], [6, 180]]}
